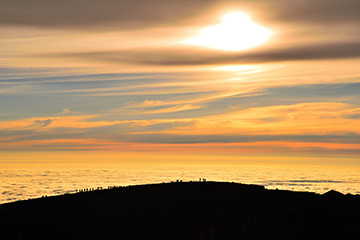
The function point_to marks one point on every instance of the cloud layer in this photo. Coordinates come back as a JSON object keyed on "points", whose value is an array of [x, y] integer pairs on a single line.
{"points": [[140, 13], [118, 75], [189, 57]]}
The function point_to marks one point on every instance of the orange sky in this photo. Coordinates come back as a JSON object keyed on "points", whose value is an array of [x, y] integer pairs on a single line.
{"points": [[177, 77]]}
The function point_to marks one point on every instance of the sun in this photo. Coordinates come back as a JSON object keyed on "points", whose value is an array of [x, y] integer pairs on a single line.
{"points": [[236, 32]]}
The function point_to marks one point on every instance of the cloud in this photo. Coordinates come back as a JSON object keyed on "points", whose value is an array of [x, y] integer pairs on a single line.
{"points": [[178, 108], [303, 128], [120, 14], [150, 104], [327, 144], [317, 30], [139, 13], [145, 104], [191, 57], [209, 110], [318, 118], [43, 123], [70, 122], [67, 111], [351, 114]]}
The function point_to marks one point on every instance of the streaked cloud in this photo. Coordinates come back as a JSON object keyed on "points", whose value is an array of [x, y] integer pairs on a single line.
{"points": [[307, 127], [139, 13], [92, 13], [186, 57], [43, 123], [177, 108], [146, 103], [118, 76]]}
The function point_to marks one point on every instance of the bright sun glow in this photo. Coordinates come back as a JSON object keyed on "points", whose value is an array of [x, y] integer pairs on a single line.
{"points": [[235, 32]]}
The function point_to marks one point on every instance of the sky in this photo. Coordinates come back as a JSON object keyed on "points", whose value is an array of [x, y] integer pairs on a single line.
{"points": [[176, 78]]}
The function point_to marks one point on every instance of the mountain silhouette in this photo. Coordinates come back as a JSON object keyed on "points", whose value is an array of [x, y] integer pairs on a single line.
{"points": [[184, 210]]}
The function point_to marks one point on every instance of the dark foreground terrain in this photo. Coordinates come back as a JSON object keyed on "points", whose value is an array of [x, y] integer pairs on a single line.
{"points": [[191, 210]]}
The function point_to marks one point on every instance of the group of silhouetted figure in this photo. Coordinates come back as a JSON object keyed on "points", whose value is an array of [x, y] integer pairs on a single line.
{"points": [[177, 181], [94, 189], [113, 187], [180, 181], [88, 189]]}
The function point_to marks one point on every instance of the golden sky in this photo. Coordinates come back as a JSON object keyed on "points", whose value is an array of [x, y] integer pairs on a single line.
{"points": [[240, 78]]}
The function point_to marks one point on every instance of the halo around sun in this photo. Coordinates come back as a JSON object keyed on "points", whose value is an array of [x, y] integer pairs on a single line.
{"points": [[236, 32]]}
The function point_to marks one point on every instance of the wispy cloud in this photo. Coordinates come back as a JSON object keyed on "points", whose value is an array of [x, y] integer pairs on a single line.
{"points": [[146, 103], [43, 123], [177, 108], [91, 13], [186, 56], [137, 13], [118, 75], [305, 127]]}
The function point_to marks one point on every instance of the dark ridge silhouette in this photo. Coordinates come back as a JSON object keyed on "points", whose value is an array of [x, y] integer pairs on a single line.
{"points": [[333, 194], [184, 210]]}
